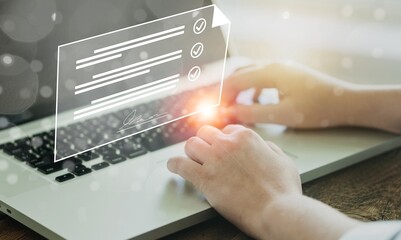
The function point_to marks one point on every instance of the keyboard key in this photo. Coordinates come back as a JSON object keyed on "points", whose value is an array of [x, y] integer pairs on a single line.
{"points": [[153, 144], [131, 150], [49, 144], [106, 150], [80, 170], [71, 163], [64, 177], [43, 150], [12, 149], [43, 136], [114, 158], [25, 156], [88, 156], [32, 162], [51, 134], [42, 160], [23, 141], [100, 166], [65, 150], [50, 168]]}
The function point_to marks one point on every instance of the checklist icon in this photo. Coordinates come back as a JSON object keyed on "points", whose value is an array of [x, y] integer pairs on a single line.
{"points": [[197, 50], [123, 69], [194, 73], [200, 26]]}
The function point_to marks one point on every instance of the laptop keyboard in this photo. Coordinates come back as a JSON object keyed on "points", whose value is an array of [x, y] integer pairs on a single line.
{"points": [[37, 150]]}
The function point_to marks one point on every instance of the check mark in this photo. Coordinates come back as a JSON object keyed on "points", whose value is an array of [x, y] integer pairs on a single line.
{"points": [[194, 74], [200, 26], [197, 50]]}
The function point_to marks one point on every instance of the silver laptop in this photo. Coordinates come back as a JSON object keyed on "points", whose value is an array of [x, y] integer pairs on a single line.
{"points": [[129, 194]]}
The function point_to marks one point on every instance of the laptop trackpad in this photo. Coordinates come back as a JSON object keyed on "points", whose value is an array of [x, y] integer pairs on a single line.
{"points": [[17, 178]]}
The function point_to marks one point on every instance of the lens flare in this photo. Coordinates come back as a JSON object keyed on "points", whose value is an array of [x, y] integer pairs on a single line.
{"points": [[206, 112]]}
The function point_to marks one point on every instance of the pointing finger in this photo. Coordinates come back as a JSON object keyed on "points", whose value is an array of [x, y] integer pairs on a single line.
{"points": [[186, 168]]}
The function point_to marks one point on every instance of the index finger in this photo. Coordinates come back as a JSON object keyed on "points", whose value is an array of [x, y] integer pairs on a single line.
{"points": [[186, 168], [256, 77]]}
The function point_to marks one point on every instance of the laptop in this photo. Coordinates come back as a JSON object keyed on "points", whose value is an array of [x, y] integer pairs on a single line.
{"points": [[129, 194]]}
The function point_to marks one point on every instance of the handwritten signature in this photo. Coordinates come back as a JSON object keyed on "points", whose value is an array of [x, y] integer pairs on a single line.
{"points": [[132, 120]]}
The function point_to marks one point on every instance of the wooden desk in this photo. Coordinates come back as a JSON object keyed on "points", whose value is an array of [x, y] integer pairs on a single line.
{"points": [[367, 191]]}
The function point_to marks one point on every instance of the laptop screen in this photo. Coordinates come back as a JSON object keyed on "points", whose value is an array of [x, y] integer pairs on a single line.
{"points": [[32, 30]]}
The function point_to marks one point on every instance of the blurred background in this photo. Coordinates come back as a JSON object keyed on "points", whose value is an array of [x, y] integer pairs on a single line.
{"points": [[355, 40]]}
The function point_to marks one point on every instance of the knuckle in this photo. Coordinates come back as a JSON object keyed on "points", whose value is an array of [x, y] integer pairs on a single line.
{"points": [[227, 144], [202, 130], [190, 142], [229, 128], [245, 133]]}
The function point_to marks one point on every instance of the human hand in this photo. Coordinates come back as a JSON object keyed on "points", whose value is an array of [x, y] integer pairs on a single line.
{"points": [[308, 99], [239, 173]]}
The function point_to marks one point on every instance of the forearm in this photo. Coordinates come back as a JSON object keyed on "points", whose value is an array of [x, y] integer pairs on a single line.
{"points": [[373, 107], [300, 217]]}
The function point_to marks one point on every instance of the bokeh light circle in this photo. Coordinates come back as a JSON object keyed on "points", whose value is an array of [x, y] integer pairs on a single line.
{"points": [[46, 91], [28, 20], [140, 15], [12, 179], [19, 86], [3, 122], [36, 66], [7, 60]]}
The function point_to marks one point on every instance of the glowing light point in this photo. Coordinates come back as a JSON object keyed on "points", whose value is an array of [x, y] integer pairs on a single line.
{"points": [[7, 60], [206, 112], [54, 17]]}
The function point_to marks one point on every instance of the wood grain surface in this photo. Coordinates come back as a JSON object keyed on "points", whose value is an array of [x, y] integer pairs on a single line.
{"points": [[368, 191]]}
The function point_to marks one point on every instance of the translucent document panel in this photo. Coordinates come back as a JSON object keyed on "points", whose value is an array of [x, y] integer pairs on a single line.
{"points": [[131, 80]]}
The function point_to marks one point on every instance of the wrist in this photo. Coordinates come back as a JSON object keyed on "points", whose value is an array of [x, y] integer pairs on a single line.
{"points": [[372, 107], [273, 215], [300, 217]]}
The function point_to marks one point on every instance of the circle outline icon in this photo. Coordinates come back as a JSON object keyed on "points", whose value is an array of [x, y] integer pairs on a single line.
{"points": [[195, 28], [192, 78], [200, 51]]}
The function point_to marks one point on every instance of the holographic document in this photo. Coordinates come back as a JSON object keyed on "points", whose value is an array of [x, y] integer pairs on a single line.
{"points": [[116, 75]]}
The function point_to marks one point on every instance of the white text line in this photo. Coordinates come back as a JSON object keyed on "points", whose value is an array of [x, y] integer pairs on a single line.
{"points": [[122, 103], [135, 88], [98, 61], [138, 39], [130, 47], [111, 82]]}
